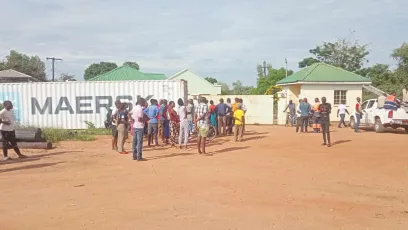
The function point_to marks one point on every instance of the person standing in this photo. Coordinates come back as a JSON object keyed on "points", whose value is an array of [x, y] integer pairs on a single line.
{"points": [[115, 109], [229, 119], [325, 110], [239, 121], [164, 122], [243, 108], [304, 113], [7, 128], [152, 128], [298, 116], [190, 115], [184, 126], [174, 124], [292, 112], [341, 111], [359, 114], [122, 121], [222, 110], [202, 122], [316, 116], [138, 129], [213, 115]]}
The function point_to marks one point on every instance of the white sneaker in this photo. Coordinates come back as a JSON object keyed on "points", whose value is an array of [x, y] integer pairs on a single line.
{"points": [[6, 158]]}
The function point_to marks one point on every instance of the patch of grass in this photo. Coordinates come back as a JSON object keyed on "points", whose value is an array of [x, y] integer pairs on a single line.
{"points": [[56, 135]]}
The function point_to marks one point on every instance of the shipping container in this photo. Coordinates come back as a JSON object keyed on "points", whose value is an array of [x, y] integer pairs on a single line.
{"points": [[70, 105]]}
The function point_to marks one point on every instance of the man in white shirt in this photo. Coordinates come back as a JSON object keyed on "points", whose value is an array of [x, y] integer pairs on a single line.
{"points": [[138, 129], [298, 117], [8, 133], [342, 110]]}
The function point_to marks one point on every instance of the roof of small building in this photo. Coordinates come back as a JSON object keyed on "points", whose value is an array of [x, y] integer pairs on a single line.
{"points": [[322, 73], [127, 73], [14, 75]]}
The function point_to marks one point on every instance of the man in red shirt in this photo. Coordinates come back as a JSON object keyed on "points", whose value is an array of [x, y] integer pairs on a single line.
{"points": [[359, 114]]}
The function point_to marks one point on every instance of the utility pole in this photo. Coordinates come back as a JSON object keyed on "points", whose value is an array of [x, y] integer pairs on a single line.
{"points": [[286, 66], [264, 68], [53, 59]]}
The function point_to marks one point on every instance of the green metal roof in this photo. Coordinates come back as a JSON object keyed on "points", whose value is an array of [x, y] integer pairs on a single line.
{"points": [[127, 73], [322, 72]]}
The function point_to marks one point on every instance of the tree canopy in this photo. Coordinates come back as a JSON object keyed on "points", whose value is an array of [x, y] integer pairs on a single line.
{"points": [[98, 69], [132, 64], [30, 65], [271, 78], [211, 80], [345, 53]]}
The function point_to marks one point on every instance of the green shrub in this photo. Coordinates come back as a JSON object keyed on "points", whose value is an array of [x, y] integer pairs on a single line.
{"points": [[56, 135]]}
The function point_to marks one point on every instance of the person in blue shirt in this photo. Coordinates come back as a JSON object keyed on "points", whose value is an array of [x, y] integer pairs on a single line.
{"points": [[304, 115], [222, 110], [152, 129]]}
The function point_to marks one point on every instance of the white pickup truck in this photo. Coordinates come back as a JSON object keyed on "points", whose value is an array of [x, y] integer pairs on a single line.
{"points": [[380, 118]]}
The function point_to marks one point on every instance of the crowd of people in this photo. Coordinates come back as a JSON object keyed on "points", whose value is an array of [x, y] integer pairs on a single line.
{"points": [[318, 115], [175, 124]]}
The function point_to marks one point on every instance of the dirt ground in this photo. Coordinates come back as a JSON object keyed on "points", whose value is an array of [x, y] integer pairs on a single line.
{"points": [[275, 179]]}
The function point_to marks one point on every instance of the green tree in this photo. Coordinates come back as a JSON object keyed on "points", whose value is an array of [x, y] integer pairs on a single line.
{"points": [[345, 53], [225, 90], [271, 78], [211, 80], [238, 88], [67, 77], [30, 65], [307, 62], [132, 64], [98, 69]]}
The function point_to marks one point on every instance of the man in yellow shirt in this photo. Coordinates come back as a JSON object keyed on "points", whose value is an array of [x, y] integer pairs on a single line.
{"points": [[239, 121]]}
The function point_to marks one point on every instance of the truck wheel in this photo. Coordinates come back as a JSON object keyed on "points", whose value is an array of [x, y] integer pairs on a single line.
{"points": [[378, 126], [352, 122]]}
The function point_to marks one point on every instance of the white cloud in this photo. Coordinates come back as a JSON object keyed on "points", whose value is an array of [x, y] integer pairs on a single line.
{"points": [[223, 39]]}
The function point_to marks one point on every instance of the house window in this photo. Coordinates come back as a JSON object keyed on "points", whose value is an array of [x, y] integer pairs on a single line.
{"points": [[340, 97]]}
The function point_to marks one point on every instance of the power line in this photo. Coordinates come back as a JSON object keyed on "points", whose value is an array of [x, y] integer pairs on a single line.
{"points": [[53, 66]]}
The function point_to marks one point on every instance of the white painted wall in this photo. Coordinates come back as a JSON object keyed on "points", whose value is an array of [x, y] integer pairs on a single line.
{"points": [[197, 85], [259, 107], [313, 91]]}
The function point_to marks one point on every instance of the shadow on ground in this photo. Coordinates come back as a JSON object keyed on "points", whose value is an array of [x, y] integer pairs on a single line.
{"points": [[340, 142], [35, 166]]}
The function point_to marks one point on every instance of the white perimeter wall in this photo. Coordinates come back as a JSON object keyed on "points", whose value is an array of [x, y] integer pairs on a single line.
{"points": [[259, 107]]}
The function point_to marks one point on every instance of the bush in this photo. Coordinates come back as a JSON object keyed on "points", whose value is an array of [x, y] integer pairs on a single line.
{"points": [[56, 135]]}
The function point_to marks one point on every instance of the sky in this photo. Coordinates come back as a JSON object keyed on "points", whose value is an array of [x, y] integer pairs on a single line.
{"points": [[224, 39]]}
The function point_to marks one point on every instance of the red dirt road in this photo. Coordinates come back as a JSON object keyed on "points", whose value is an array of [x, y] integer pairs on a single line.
{"points": [[276, 179]]}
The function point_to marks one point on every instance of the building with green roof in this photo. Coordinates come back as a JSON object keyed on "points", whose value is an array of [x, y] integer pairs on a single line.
{"points": [[127, 73], [321, 80]]}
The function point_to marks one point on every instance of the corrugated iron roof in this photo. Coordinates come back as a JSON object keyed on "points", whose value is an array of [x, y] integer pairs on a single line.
{"points": [[127, 73], [322, 72], [13, 74]]}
